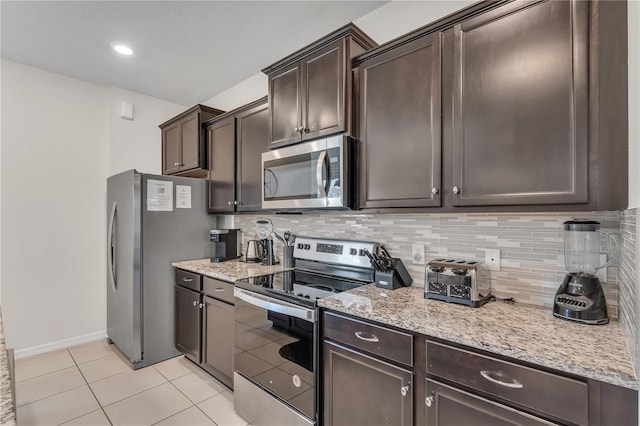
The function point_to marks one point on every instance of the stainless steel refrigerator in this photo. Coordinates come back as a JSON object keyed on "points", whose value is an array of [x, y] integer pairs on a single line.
{"points": [[152, 221]]}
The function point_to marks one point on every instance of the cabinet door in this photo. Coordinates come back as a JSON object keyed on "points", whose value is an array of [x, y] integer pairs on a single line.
{"points": [[188, 324], [448, 406], [222, 169], [360, 390], [520, 105], [218, 334], [284, 106], [251, 143], [171, 149], [324, 82], [191, 147], [401, 145]]}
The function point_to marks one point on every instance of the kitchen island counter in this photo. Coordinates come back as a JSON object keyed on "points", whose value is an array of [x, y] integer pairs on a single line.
{"points": [[230, 270], [523, 332], [7, 412]]}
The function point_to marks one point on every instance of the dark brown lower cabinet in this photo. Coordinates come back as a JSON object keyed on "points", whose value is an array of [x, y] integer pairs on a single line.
{"points": [[361, 390], [188, 324], [217, 339], [448, 406]]}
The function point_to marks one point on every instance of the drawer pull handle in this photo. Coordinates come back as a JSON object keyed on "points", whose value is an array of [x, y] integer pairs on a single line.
{"points": [[513, 383], [219, 289], [187, 279], [372, 338]]}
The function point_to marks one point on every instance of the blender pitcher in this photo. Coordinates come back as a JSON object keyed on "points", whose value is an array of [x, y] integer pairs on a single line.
{"points": [[582, 247]]}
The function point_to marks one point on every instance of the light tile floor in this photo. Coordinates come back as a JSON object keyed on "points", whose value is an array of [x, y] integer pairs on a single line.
{"points": [[93, 385]]}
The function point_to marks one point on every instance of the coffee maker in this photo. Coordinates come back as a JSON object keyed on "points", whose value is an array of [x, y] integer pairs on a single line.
{"points": [[580, 297], [225, 244]]}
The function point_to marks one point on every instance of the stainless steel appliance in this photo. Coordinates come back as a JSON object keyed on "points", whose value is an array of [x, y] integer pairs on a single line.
{"points": [[253, 253], [458, 281], [277, 337], [580, 297], [225, 244], [152, 221], [312, 175]]}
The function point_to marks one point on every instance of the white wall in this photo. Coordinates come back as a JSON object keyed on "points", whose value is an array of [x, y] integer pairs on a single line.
{"points": [[137, 144], [633, 18], [242, 93], [55, 139], [60, 140]]}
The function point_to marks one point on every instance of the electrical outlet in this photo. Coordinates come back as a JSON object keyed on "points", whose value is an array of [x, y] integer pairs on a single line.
{"points": [[492, 259], [602, 273], [417, 254]]}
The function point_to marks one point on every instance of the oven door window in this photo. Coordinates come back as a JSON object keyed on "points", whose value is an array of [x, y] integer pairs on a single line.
{"points": [[307, 176], [276, 352]]}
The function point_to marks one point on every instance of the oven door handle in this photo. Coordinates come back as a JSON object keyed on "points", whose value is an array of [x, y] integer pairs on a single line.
{"points": [[275, 305]]}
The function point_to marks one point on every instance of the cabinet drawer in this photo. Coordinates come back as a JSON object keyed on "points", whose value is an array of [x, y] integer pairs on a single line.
{"points": [[189, 280], [540, 391], [381, 341], [218, 289]]}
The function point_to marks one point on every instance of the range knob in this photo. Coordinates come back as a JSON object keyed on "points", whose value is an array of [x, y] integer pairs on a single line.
{"points": [[353, 252], [459, 271], [307, 246], [300, 246]]}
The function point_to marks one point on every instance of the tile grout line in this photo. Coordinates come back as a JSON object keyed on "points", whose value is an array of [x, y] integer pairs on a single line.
{"points": [[194, 404], [91, 390]]}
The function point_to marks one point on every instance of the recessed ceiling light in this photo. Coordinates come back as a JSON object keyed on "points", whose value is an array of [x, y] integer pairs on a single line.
{"points": [[122, 49]]}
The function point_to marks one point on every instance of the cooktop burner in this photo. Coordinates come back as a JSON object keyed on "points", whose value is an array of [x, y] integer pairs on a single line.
{"points": [[296, 286]]}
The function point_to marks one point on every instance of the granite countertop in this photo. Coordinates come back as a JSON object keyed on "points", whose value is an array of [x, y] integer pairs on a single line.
{"points": [[7, 413], [526, 333], [230, 270]]}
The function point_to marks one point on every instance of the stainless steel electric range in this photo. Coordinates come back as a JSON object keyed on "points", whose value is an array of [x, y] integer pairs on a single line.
{"points": [[276, 356]]}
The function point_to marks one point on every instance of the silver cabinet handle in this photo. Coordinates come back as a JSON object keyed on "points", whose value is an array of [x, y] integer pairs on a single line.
{"points": [[404, 390], [306, 130], [229, 203], [371, 338], [296, 129], [236, 203], [428, 401], [435, 191], [200, 305], [187, 279], [456, 190], [195, 303], [219, 289], [513, 384]]}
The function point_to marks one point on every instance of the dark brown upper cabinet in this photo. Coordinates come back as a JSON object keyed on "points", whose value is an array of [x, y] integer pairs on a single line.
{"points": [[400, 157], [310, 91], [506, 106], [184, 142], [520, 105], [236, 142]]}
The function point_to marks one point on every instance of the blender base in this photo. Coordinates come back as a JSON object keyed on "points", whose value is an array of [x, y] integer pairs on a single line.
{"points": [[580, 298]]}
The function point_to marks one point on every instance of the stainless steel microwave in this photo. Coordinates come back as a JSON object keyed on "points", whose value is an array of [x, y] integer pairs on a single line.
{"points": [[311, 175]]}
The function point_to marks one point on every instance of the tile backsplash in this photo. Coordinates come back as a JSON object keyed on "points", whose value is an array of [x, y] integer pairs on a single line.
{"points": [[531, 244], [628, 283]]}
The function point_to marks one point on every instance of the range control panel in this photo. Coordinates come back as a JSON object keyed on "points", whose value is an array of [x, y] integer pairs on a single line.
{"points": [[340, 252]]}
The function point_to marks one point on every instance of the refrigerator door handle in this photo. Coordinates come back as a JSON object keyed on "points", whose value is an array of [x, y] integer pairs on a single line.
{"points": [[111, 250]]}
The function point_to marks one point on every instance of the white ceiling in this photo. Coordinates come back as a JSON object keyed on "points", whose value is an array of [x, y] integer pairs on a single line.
{"points": [[185, 51]]}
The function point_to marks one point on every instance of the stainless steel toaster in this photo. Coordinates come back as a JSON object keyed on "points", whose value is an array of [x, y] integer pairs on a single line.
{"points": [[458, 281]]}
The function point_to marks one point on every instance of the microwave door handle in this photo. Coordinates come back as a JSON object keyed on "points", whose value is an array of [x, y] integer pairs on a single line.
{"points": [[319, 169]]}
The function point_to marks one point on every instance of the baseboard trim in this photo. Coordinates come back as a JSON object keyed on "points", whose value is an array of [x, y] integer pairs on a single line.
{"points": [[60, 344]]}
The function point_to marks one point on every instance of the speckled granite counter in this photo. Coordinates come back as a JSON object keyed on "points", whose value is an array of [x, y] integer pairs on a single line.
{"points": [[230, 270], [523, 332], [7, 413]]}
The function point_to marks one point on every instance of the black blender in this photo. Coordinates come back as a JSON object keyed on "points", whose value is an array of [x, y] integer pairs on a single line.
{"points": [[580, 297]]}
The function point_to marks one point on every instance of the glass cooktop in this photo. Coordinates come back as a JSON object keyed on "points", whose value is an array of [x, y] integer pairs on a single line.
{"points": [[300, 287]]}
